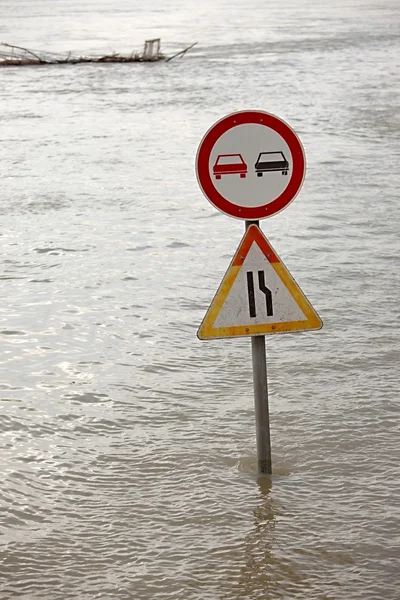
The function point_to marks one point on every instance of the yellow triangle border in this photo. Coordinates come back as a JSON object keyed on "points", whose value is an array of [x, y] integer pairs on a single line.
{"points": [[207, 329]]}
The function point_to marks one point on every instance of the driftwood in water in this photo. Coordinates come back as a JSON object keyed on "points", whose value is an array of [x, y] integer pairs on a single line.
{"points": [[181, 53], [19, 56]]}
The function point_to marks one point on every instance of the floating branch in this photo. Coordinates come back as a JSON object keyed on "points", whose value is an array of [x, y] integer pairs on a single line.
{"points": [[35, 56], [20, 56], [181, 53]]}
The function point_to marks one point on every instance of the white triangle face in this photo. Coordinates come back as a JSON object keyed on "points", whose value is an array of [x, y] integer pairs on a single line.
{"points": [[257, 295], [243, 307]]}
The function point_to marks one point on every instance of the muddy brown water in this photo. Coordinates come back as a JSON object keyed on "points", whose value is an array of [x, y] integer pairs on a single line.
{"points": [[128, 446]]}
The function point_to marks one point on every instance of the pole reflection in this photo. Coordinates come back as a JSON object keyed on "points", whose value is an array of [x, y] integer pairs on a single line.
{"points": [[266, 572]]}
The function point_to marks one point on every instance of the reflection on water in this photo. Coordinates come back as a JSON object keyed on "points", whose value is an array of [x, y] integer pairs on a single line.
{"points": [[265, 571], [257, 573]]}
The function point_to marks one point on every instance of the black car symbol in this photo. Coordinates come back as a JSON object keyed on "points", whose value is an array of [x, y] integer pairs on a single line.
{"points": [[271, 161]]}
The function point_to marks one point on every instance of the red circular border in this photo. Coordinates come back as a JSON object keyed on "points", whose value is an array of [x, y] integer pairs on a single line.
{"points": [[209, 141]]}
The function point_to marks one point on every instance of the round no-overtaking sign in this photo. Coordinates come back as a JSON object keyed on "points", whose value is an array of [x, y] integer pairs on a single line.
{"points": [[250, 165]]}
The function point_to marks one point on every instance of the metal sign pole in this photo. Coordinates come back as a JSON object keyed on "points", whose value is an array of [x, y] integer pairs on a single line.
{"points": [[261, 397]]}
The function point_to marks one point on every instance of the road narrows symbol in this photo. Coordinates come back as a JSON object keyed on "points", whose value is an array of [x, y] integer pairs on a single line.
{"points": [[251, 294]]}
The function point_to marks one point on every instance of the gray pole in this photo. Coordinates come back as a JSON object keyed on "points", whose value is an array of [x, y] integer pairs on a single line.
{"points": [[261, 398]]}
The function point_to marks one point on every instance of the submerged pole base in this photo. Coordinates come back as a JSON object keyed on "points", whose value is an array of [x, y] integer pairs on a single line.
{"points": [[264, 467]]}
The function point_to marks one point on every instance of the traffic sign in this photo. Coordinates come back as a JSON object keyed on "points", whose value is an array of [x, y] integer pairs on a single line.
{"points": [[250, 165], [257, 295]]}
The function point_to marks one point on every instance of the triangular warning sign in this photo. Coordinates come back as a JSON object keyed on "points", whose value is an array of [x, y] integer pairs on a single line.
{"points": [[257, 295]]}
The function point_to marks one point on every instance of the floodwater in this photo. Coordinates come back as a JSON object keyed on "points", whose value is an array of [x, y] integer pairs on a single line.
{"points": [[128, 461]]}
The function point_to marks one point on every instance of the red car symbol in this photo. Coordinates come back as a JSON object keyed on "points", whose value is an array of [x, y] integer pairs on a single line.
{"points": [[229, 164]]}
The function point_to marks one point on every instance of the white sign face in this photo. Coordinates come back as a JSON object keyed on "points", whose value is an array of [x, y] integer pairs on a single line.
{"points": [[257, 295], [251, 165]]}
